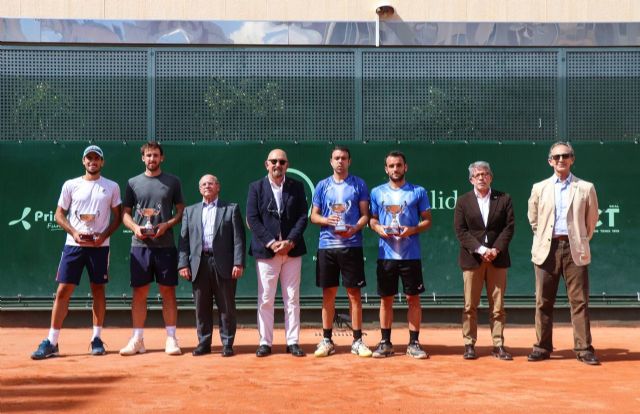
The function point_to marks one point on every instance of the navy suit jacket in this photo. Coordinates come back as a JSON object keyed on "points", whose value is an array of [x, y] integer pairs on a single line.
{"points": [[267, 223], [471, 231]]}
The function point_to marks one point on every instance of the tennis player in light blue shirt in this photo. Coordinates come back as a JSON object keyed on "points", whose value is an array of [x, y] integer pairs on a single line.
{"points": [[399, 212], [341, 209]]}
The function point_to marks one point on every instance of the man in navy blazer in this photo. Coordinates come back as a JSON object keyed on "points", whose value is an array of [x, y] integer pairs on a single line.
{"points": [[277, 217], [484, 224], [212, 257]]}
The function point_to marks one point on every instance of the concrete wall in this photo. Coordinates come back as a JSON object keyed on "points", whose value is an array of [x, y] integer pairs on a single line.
{"points": [[329, 10]]}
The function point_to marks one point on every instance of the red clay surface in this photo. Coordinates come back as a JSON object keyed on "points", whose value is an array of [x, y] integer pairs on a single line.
{"points": [[157, 383]]}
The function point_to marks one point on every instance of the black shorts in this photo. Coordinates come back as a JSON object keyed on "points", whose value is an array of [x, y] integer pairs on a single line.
{"points": [[154, 263], [348, 261], [389, 271]]}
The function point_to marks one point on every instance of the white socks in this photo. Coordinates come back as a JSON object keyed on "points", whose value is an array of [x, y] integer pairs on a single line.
{"points": [[171, 331], [97, 331], [137, 333], [53, 336]]}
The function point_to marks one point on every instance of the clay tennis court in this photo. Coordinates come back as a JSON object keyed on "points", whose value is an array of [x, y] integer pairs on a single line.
{"points": [[155, 382]]}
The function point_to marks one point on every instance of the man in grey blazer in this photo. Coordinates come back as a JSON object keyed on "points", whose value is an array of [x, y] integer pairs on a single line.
{"points": [[212, 257], [563, 212]]}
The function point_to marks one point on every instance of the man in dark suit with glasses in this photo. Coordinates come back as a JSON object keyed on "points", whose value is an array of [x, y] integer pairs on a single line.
{"points": [[484, 223], [277, 217]]}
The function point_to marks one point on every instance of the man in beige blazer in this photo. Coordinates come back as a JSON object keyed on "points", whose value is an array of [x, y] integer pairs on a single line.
{"points": [[563, 212]]}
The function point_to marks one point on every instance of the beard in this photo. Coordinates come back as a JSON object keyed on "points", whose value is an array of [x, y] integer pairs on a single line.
{"points": [[93, 172], [397, 179]]}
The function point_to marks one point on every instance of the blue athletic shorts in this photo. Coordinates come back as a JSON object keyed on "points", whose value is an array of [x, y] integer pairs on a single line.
{"points": [[75, 258], [154, 263]]}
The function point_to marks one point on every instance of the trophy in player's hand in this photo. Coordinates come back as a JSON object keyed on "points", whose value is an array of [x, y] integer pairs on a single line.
{"points": [[148, 229], [340, 209], [87, 218], [394, 228]]}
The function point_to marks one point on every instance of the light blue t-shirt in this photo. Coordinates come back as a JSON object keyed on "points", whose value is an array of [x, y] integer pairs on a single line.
{"points": [[414, 200], [350, 192]]}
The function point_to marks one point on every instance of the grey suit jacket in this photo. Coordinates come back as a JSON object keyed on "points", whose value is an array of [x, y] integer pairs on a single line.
{"points": [[228, 239]]}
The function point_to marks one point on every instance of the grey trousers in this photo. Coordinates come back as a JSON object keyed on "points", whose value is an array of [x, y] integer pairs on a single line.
{"points": [[207, 287]]}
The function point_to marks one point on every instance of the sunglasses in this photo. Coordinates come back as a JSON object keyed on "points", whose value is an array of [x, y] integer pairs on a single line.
{"points": [[558, 157], [276, 161]]}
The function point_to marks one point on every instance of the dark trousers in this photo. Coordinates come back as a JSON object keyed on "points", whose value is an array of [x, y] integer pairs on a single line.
{"points": [[207, 286], [576, 278]]}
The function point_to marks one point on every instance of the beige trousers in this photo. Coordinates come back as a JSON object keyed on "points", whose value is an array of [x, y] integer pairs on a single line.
{"points": [[495, 279]]}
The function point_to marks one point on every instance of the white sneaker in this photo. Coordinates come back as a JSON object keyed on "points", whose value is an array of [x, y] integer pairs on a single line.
{"points": [[360, 348], [133, 347], [325, 348], [171, 346]]}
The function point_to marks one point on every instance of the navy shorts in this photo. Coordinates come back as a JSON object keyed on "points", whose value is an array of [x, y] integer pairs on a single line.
{"points": [[75, 258], [390, 271], [154, 263], [347, 261]]}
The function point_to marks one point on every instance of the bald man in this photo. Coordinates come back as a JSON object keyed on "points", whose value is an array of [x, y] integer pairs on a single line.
{"points": [[277, 216], [212, 257]]}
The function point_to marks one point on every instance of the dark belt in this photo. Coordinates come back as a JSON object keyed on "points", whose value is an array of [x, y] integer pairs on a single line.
{"points": [[562, 238], [207, 253]]}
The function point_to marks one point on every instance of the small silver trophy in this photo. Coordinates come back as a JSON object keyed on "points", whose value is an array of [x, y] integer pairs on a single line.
{"points": [[340, 209], [394, 228], [88, 219], [148, 229]]}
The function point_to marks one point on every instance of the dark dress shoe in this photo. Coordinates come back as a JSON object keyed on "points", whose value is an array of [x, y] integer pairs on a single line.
{"points": [[227, 351], [501, 353], [469, 352], [201, 349], [588, 358], [263, 351], [295, 350], [536, 356]]}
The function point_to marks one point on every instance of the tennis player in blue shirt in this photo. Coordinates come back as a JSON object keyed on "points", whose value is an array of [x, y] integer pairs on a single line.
{"points": [[399, 212]]}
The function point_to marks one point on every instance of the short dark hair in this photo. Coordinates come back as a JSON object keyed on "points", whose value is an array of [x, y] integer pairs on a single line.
{"points": [[341, 148], [151, 145], [397, 154]]}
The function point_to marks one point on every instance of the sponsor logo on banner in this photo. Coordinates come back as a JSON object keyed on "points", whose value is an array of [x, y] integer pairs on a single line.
{"points": [[608, 220], [38, 218], [443, 200]]}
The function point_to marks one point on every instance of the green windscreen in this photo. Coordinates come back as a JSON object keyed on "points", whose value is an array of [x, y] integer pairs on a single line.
{"points": [[220, 111]]}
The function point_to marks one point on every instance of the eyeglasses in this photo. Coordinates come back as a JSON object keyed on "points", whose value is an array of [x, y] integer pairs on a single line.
{"points": [[277, 161], [481, 174], [558, 157]]}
